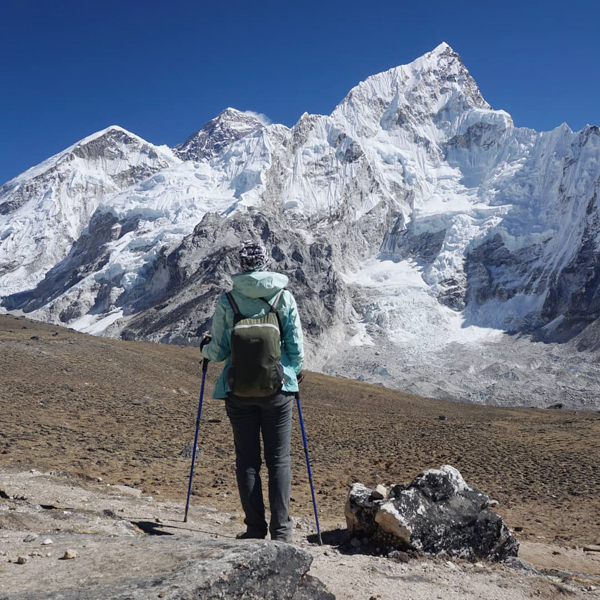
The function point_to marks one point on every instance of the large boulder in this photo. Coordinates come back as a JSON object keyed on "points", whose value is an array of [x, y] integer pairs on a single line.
{"points": [[178, 568], [437, 512]]}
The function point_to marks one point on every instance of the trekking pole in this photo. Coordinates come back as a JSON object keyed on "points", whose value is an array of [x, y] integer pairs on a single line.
{"points": [[310, 480], [187, 504]]}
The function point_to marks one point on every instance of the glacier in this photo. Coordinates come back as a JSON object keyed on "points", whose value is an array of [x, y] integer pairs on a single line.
{"points": [[433, 246]]}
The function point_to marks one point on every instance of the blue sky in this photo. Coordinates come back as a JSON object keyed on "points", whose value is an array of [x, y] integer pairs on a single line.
{"points": [[162, 69]]}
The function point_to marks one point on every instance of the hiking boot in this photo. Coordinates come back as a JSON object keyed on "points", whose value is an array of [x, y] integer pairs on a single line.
{"points": [[248, 535]]}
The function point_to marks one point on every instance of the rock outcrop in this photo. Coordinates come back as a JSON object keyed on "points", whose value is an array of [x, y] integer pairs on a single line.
{"points": [[437, 512], [192, 568]]}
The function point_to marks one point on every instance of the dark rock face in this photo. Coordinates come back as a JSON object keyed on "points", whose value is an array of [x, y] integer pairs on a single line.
{"points": [[494, 272], [575, 292], [86, 255], [179, 299], [214, 569], [437, 512], [402, 243], [222, 131]]}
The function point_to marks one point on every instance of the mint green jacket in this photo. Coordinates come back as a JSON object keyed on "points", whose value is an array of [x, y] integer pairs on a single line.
{"points": [[248, 289]]}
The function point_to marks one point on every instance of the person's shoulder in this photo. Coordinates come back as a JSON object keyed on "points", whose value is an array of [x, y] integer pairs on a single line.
{"points": [[223, 299], [287, 298]]}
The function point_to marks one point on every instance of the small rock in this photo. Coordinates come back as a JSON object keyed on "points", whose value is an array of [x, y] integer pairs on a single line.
{"points": [[355, 543], [48, 554], [21, 560], [129, 491], [450, 565], [69, 555], [30, 537], [479, 565], [189, 450], [380, 492], [399, 556], [522, 565], [442, 417], [494, 503], [47, 542], [558, 405], [591, 548]]}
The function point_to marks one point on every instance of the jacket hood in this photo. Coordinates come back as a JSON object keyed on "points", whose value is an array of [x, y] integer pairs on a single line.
{"points": [[259, 284]]}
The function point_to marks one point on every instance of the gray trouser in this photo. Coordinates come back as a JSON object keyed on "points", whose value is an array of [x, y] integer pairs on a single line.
{"points": [[273, 417]]}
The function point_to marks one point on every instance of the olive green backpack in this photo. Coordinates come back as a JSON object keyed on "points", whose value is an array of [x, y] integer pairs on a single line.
{"points": [[255, 369]]}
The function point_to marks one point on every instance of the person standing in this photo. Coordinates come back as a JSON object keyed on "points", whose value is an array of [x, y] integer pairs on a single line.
{"points": [[256, 330]]}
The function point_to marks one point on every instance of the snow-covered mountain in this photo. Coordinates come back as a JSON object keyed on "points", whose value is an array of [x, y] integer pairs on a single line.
{"points": [[423, 234], [45, 210]]}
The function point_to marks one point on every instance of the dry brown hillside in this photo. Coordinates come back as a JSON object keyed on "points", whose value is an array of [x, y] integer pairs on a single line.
{"points": [[123, 411]]}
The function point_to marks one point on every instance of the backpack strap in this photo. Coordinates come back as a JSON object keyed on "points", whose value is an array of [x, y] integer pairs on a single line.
{"points": [[273, 309], [237, 315]]}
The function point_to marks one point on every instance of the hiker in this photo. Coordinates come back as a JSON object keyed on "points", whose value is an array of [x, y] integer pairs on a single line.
{"points": [[251, 325]]}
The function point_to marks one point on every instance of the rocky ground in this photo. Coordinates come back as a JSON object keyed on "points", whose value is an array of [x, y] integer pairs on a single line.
{"points": [[86, 408], [116, 540]]}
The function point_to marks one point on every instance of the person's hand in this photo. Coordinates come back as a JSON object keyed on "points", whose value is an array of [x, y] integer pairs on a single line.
{"points": [[206, 339]]}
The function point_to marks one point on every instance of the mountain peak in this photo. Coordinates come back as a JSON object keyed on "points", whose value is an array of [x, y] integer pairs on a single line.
{"points": [[442, 53], [229, 126], [424, 86], [230, 113], [109, 131], [440, 48]]}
